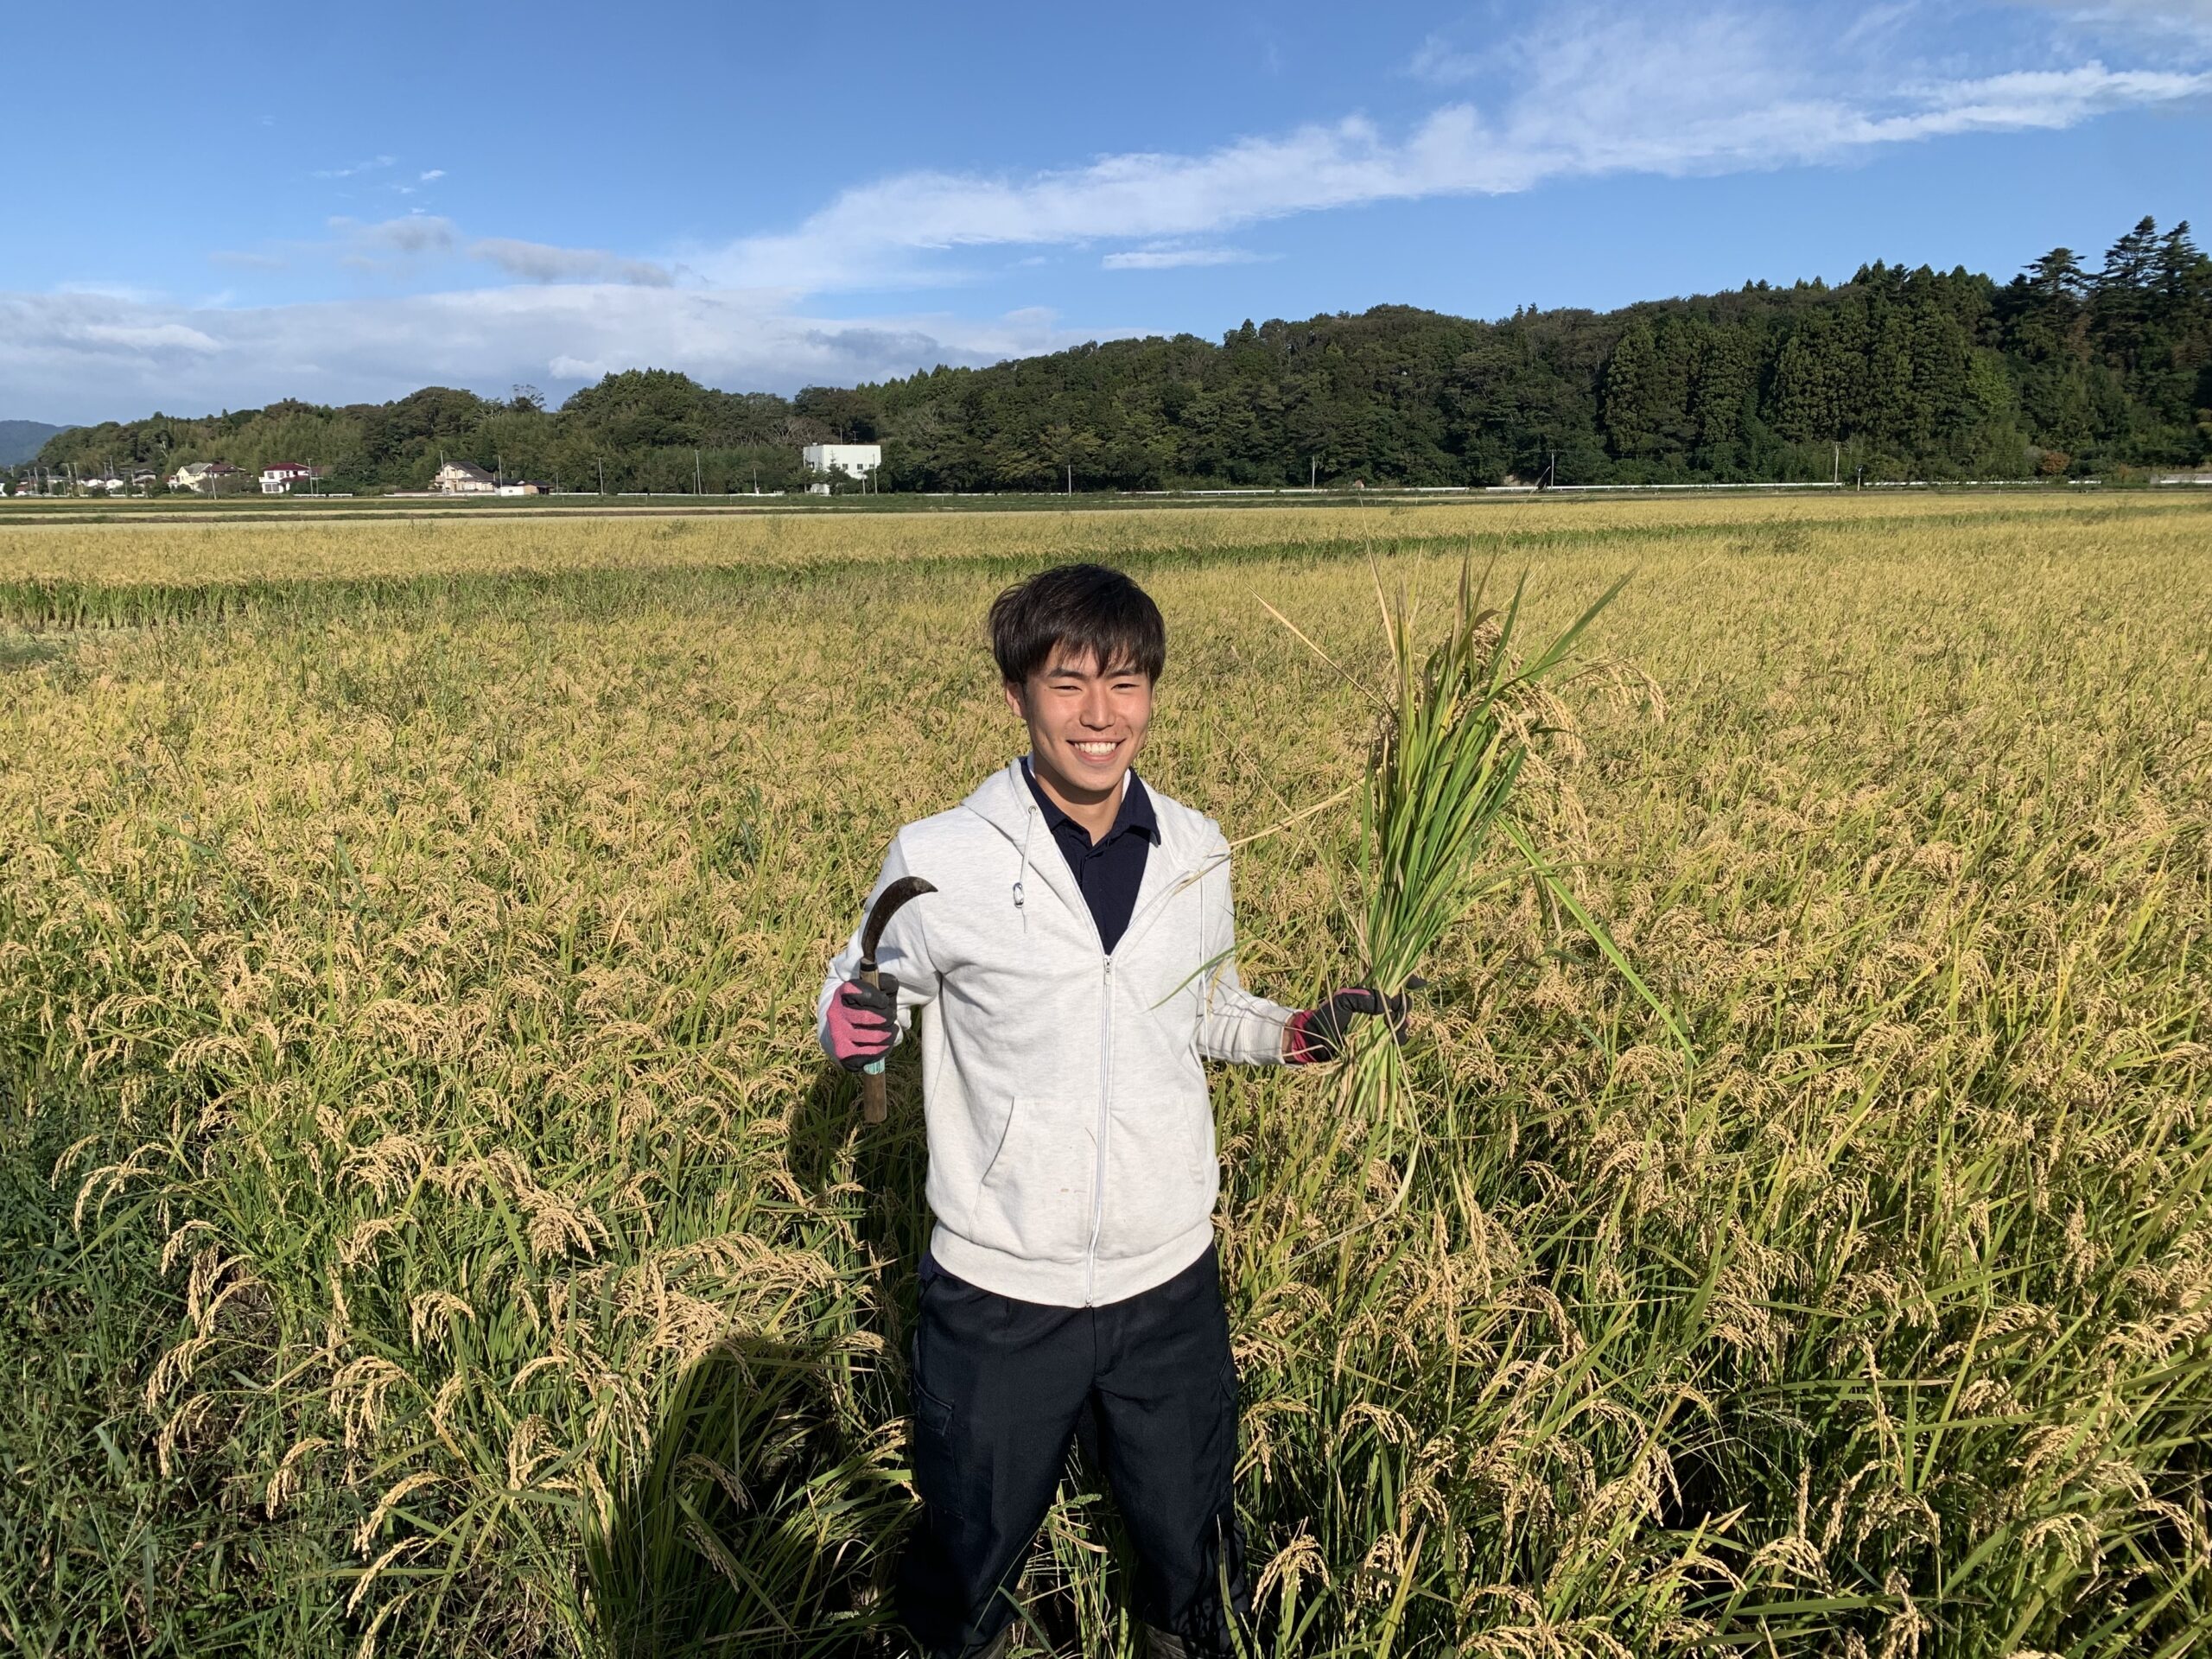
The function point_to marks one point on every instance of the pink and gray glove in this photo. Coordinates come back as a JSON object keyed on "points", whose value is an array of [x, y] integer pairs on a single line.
{"points": [[864, 1021], [1316, 1035]]}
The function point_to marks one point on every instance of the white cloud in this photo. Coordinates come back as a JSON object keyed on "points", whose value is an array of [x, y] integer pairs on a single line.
{"points": [[2058, 97], [139, 338], [127, 291], [430, 177], [385, 245], [375, 164], [1670, 92], [409, 234], [1436, 60], [538, 262], [1171, 257], [2173, 25], [86, 357]]}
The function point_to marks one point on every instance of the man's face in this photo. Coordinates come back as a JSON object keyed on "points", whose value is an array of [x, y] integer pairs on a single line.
{"points": [[1086, 724]]}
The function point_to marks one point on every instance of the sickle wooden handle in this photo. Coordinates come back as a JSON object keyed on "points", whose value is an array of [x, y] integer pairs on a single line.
{"points": [[875, 1102]]}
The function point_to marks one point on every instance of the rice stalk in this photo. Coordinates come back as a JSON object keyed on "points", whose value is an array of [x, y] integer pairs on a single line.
{"points": [[1459, 725]]}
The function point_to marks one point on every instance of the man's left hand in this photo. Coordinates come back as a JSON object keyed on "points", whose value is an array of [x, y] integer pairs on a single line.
{"points": [[1316, 1035]]}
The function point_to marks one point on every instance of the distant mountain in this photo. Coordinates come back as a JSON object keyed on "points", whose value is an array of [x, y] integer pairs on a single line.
{"points": [[21, 440]]}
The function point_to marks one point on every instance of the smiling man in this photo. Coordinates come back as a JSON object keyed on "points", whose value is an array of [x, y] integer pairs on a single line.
{"points": [[1073, 972]]}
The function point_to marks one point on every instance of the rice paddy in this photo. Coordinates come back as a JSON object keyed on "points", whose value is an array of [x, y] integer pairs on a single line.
{"points": [[426, 1222]]}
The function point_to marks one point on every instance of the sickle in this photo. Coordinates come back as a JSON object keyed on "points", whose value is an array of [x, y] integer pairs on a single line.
{"points": [[874, 1103]]}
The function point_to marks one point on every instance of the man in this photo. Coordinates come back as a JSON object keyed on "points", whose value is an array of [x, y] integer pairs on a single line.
{"points": [[1073, 970]]}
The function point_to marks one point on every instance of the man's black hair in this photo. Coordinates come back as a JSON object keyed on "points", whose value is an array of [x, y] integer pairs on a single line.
{"points": [[1092, 610]]}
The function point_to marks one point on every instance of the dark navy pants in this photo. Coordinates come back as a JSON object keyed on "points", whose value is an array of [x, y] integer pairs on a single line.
{"points": [[1001, 1387]]}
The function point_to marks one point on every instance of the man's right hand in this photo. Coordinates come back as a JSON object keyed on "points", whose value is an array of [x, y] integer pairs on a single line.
{"points": [[864, 1021]]}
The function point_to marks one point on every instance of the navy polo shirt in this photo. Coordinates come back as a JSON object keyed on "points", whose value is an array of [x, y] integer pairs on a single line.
{"points": [[1110, 870]]}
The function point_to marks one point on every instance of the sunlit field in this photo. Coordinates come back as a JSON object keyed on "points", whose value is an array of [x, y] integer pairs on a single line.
{"points": [[124, 571], [427, 1224]]}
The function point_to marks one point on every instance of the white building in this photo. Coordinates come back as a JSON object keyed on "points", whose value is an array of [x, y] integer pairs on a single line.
{"points": [[280, 479], [203, 477], [459, 478], [853, 460]]}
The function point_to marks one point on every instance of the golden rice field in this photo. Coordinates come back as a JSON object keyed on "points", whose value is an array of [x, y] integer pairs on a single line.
{"points": [[426, 1222]]}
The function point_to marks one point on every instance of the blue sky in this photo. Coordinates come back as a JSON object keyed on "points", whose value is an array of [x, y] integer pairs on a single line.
{"points": [[353, 205]]}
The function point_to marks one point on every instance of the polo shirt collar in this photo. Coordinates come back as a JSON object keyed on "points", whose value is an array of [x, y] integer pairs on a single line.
{"points": [[1136, 809]]}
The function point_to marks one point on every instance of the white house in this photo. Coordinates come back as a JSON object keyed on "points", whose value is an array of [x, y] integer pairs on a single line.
{"points": [[203, 477], [280, 479], [459, 478], [853, 460]]}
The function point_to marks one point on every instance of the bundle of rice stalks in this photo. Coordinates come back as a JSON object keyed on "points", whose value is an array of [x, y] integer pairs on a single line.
{"points": [[1458, 728]]}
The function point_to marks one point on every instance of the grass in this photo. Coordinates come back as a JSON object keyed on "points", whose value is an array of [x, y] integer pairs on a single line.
{"points": [[428, 1223]]}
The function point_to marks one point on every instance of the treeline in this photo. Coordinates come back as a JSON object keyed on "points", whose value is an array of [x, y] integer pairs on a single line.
{"points": [[1896, 374], [640, 430]]}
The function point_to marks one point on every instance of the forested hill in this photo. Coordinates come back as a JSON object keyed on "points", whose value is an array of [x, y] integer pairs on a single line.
{"points": [[21, 440], [1902, 372]]}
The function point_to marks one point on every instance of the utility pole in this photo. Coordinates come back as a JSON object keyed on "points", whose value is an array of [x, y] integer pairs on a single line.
{"points": [[1312, 472], [1835, 471], [1070, 478], [697, 488], [602, 473]]}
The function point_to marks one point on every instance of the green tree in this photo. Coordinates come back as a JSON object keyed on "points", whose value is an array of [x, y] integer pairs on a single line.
{"points": [[1812, 381], [1635, 396]]}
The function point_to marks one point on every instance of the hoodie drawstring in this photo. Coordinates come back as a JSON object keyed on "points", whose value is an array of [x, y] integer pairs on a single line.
{"points": [[1028, 827]]}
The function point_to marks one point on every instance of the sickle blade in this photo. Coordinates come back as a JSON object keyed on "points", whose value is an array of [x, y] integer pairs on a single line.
{"points": [[887, 906]]}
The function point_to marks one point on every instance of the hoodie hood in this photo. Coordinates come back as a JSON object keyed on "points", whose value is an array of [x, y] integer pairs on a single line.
{"points": [[1003, 801], [1190, 845]]}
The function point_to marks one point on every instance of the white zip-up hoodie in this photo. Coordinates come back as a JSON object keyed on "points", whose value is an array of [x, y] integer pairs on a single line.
{"points": [[1071, 1129]]}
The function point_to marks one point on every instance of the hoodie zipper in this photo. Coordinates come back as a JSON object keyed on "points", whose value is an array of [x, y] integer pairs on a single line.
{"points": [[1105, 1096]]}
